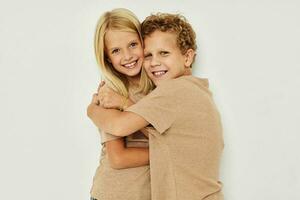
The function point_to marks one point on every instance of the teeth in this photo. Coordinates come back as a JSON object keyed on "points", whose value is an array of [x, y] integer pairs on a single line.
{"points": [[130, 64], [159, 73]]}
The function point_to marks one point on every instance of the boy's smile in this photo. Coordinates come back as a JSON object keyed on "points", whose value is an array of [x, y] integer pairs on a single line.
{"points": [[163, 58]]}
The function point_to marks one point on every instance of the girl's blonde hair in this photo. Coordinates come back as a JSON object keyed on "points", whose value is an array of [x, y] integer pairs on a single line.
{"points": [[122, 20]]}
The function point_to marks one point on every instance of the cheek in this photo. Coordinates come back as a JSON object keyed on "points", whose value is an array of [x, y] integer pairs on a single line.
{"points": [[140, 53], [115, 60], [146, 66]]}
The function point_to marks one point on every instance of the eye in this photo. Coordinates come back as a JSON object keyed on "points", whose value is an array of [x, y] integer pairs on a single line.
{"points": [[164, 53], [115, 51], [133, 44], [147, 56]]}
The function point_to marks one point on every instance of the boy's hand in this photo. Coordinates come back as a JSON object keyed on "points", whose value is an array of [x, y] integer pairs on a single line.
{"points": [[108, 98]]}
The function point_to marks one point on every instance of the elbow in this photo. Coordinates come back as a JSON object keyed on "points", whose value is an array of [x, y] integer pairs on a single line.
{"points": [[92, 114], [117, 166], [90, 111], [117, 162]]}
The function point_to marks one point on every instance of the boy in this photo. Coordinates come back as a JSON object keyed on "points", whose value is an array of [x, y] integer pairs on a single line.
{"points": [[187, 142]]}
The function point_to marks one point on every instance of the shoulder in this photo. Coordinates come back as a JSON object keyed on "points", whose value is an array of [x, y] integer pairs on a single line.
{"points": [[195, 84], [170, 86], [186, 83]]}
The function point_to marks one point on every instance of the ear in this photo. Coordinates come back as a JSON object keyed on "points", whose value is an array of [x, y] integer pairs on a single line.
{"points": [[189, 57]]}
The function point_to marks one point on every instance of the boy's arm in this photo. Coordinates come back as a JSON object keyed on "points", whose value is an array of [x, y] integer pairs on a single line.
{"points": [[114, 121], [121, 157]]}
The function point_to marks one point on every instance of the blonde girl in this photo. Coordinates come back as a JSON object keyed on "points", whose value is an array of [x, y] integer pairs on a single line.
{"points": [[123, 171]]}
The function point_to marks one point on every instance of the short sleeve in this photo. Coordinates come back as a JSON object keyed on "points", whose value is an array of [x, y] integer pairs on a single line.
{"points": [[105, 137], [158, 107]]}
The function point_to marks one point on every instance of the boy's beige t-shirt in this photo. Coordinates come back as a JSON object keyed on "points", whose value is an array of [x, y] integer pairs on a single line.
{"points": [[186, 146], [125, 184]]}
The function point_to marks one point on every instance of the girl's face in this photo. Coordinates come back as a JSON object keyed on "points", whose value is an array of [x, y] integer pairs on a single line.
{"points": [[124, 51]]}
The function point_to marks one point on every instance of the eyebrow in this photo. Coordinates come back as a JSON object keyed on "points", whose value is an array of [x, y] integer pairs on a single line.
{"points": [[157, 50], [113, 48], [133, 41]]}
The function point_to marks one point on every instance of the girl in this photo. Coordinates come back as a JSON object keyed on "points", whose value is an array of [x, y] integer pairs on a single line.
{"points": [[123, 172]]}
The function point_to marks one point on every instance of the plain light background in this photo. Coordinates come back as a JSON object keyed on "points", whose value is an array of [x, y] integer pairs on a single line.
{"points": [[249, 50]]}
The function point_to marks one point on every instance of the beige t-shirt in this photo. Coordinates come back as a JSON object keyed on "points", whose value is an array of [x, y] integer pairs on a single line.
{"points": [[186, 147], [125, 184]]}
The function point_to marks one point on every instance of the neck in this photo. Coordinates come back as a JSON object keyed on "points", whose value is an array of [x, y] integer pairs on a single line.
{"points": [[188, 72], [134, 80]]}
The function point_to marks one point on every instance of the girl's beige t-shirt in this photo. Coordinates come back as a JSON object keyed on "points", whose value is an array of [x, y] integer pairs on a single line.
{"points": [[186, 142], [125, 184]]}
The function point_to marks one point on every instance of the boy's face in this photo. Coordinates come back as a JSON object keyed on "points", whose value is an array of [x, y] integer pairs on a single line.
{"points": [[163, 59]]}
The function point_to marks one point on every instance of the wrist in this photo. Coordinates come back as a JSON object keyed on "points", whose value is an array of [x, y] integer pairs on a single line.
{"points": [[124, 104]]}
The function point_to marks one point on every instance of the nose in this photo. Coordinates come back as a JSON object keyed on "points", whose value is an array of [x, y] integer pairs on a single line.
{"points": [[154, 62], [127, 55]]}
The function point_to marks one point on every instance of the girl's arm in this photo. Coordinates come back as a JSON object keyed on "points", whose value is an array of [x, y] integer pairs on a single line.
{"points": [[121, 157]]}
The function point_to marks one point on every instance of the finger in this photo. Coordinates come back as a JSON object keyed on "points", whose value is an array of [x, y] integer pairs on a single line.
{"points": [[95, 96], [100, 93], [103, 88], [101, 103], [95, 99], [106, 104], [102, 83]]}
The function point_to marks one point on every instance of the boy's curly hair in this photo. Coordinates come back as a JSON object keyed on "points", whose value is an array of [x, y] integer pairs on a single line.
{"points": [[174, 23]]}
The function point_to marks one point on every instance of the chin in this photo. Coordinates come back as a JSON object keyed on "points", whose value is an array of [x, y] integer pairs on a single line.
{"points": [[133, 72]]}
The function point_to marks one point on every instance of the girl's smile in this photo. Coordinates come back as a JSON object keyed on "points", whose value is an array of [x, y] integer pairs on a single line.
{"points": [[126, 54]]}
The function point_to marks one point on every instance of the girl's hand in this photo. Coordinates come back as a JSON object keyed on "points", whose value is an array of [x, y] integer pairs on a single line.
{"points": [[95, 99], [108, 98]]}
